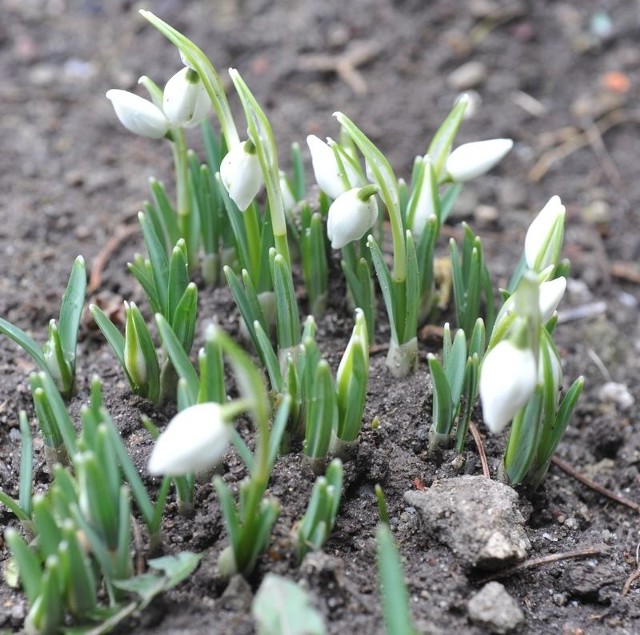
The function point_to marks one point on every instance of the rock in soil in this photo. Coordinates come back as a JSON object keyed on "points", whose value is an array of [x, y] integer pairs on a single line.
{"points": [[494, 608], [477, 518]]}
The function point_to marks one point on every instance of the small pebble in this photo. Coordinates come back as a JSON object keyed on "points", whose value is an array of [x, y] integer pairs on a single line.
{"points": [[493, 607], [613, 392], [469, 75]]}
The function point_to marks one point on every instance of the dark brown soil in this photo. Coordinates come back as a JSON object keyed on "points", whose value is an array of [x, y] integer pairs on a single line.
{"points": [[71, 179]]}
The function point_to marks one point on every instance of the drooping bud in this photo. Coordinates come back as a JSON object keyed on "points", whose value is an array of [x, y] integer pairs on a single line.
{"points": [[138, 115], [472, 160], [352, 215], [185, 100], [194, 441], [241, 174], [332, 178], [508, 379]]}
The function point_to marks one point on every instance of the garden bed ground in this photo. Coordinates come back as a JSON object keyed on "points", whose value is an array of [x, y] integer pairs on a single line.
{"points": [[561, 78]]}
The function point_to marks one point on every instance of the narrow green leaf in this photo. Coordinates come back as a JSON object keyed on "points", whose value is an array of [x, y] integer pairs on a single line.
{"points": [[442, 405], [179, 358], [281, 607], [393, 591], [71, 309]]}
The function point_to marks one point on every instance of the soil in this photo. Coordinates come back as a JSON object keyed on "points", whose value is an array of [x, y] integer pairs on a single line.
{"points": [[559, 77]]}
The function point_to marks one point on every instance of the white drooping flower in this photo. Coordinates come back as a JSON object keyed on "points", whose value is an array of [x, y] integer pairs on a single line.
{"points": [[138, 115], [241, 174], [326, 169], [543, 241], [551, 293], [352, 215], [471, 160], [508, 378], [194, 441], [185, 101]]}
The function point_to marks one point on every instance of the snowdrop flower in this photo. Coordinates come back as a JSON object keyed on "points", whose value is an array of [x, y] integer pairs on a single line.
{"points": [[327, 171], [543, 241], [551, 293], [471, 160], [138, 115], [508, 378], [185, 101], [241, 174], [288, 199], [351, 215], [194, 441], [421, 204]]}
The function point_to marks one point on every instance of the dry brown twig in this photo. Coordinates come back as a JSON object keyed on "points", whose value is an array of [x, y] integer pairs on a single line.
{"points": [[554, 557], [100, 261], [590, 483], [589, 135], [344, 65], [481, 453], [634, 576]]}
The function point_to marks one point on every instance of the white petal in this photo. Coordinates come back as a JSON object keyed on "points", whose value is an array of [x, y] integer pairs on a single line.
{"points": [[471, 160], [138, 115], [551, 293], [325, 167], [241, 175], [350, 218], [195, 440], [507, 380], [543, 241], [185, 100]]}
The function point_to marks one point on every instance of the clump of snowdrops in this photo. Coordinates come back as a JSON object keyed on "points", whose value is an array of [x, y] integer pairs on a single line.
{"points": [[240, 220]]}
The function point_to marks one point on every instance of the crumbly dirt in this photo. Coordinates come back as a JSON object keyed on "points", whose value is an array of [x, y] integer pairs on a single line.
{"points": [[559, 77]]}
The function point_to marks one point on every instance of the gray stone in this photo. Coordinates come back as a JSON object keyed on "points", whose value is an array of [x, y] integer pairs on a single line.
{"points": [[477, 518], [494, 608], [469, 75]]}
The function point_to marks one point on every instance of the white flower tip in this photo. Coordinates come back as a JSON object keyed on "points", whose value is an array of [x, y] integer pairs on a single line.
{"points": [[194, 441]]}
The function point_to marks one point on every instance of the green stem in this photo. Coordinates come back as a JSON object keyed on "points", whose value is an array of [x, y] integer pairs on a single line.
{"points": [[183, 200], [205, 69]]}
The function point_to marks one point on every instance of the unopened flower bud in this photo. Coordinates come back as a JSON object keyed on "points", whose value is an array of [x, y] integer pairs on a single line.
{"points": [[138, 115], [508, 378], [185, 100], [352, 215], [194, 441], [241, 174], [543, 241], [329, 175], [472, 160]]}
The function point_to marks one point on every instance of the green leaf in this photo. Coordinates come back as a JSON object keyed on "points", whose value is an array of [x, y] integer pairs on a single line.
{"points": [[179, 358], [440, 146], [321, 413], [29, 566], [25, 342], [442, 405], [281, 607], [71, 309], [158, 259], [110, 332], [164, 214], [287, 318], [395, 599]]}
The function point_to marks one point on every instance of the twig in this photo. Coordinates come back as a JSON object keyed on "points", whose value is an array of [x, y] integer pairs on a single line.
{"points": [[345, 64], [481, 453], [100, 261], [554, 557], [635, 575], [588, 136], [585, 480]]}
